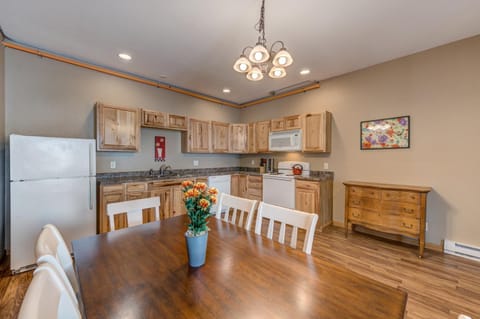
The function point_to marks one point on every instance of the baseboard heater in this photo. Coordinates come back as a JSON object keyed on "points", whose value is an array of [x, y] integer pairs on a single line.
{"points": [[462, 250]]}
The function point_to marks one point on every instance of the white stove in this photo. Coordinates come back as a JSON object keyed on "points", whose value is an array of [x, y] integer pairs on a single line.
{"points": [[279, 188]]}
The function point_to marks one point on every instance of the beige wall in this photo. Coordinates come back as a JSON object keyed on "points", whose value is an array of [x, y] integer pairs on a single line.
{"points": [[440, 90], [2, 147], [49, 98]]}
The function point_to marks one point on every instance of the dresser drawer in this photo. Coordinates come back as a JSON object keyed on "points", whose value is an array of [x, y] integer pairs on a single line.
{"points": [[136, 187], [410, 197], [113, 189], [365, 192], [401, 224], [364, 202], [362, 215], [400, 209]]}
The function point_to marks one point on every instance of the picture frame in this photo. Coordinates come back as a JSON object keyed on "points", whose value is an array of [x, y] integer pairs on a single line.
{"points": [[386, 133]]}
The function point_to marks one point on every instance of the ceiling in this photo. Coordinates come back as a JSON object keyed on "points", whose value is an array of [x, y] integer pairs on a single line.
{"points": [[193, 44]]}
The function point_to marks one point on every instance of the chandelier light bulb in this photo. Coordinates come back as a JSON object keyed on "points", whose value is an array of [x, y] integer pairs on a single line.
{"points": [[255, 74], [242, 65], [282, 58], [259, 54], [277, 72]]}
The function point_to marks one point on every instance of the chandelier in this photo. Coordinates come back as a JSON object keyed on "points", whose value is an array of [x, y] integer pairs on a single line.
{"points": [[260, 60]]}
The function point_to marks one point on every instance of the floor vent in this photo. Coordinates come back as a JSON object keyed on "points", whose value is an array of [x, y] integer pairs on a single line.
{"points": [[462, 250]]}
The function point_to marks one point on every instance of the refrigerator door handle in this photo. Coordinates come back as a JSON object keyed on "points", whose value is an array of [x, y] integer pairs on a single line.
{"points": [[90, 196], [90, 156]]}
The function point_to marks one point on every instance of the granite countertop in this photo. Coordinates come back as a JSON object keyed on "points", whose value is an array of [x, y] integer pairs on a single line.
{"points": [[144, 176]]}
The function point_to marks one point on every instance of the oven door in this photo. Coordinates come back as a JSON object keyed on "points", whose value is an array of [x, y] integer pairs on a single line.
{"points": [[279, 190]]}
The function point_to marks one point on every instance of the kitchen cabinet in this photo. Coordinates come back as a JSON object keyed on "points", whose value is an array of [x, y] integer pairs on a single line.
{"points": [[262, 130], [309, 198], [154, 119], [286, 123], [197, 137], [107, 194], [238, 186], [251, 138], [118, 128], [177, 122], [254, 187], [220, 138], [238, 137], [317, 132], [178, 206], [393, 209], [165, 194]]}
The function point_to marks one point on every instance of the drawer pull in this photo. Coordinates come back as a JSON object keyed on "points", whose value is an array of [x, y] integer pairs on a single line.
{"points": [[356, 202], [355, 214], [409, 226], [408, 210]]}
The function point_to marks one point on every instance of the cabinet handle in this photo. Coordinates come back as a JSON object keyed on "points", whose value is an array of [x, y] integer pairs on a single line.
{"points": [[356, 214], [356, 202], [407, 226], [408, 210]]}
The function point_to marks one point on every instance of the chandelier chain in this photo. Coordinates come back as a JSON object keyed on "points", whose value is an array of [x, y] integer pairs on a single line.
{"points": [[260, 26]]}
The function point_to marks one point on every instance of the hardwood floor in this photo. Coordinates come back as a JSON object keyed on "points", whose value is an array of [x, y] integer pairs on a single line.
{"points": [[439, 286]]}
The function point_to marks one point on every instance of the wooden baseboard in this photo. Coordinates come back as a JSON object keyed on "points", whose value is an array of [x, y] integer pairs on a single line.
{"points": [[406, 240]]}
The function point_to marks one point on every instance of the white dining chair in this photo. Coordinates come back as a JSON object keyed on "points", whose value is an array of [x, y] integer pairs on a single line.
{"points": [[51, 262], [51, 242], [47, 297], [133, 209], [242, 207], [286, 216], [464, 317]]}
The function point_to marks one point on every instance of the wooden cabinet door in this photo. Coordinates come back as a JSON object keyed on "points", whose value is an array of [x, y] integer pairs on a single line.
{"points": [[220, 137], [238, 137], [177, 122], [262, 129], [251, 138], [292, 122], [277, 125], [154, 119], [307, 198], [118, 128], [165, 194], [234, 185], [178, 206], [242, 186], [317, 132], [108, 194], [198, 140]]}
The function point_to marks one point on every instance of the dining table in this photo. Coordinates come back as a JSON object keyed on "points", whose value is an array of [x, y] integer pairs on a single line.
{"points": [[143, 272]]}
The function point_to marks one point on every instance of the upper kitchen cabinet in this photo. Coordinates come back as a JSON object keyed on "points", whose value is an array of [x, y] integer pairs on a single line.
{"points": [[251, 138], [317, 132], [262, 129], [286, 123], [238, 138], [197, 137], [162, 120], [220, 138], [118, 128]]}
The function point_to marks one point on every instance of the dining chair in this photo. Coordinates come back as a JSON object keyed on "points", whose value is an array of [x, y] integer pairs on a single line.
{"points": [[134, 209], [47, 297], [287, 216], [51, 262], [244, 207], [51, 242], [464, 317]]}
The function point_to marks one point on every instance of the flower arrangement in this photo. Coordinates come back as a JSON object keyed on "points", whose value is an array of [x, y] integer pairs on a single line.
{"points": [[198, 198]]}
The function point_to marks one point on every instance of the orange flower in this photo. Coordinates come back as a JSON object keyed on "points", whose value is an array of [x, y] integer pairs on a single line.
{"points": [[189, 193], [204, 203], [213, 191], [187, 184], [213, 199], [195, 192], [200, 186]]}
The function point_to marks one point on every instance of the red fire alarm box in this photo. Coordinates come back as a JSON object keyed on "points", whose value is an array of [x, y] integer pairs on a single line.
{"points": [[159, 148]]}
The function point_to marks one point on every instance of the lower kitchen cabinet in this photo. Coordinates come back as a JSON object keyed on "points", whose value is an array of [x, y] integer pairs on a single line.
{"points": [[107, 194], [310, 198]]}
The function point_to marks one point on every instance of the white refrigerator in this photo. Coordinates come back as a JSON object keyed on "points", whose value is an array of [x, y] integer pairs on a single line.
{"points": [[52, 180]]}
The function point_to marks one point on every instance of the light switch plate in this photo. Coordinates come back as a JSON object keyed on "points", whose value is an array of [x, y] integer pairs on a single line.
{"points": [[195, 162], [325, 165], [113, 164]]}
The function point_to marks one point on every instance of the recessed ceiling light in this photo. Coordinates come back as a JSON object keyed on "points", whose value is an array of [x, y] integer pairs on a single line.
{"points": [[125, 56], [305, 72], [226, 90]]}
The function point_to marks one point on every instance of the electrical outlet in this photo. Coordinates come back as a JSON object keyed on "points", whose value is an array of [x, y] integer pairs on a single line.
{"points": [[195, 163], [113, 164], [325, 165], [253, 162]]}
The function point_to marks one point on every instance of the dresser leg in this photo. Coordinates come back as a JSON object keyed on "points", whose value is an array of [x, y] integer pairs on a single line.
{"points": [[346, 230]]}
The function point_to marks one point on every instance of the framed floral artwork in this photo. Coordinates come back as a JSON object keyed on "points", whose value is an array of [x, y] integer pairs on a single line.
{"points": [[389, 133]]}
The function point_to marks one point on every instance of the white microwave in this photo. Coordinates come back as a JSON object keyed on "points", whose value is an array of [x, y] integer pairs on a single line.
{"points": [[285, 141]]}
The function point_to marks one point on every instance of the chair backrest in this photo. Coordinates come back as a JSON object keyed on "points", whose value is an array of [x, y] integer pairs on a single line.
{"points": [[134, 209], [51, 262], [242, 207], [50, 242], [464, 317], [286, 216], [47, 297]]}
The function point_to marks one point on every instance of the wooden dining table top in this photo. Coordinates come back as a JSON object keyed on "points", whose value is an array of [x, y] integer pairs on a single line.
{"points": [[143, 272]]}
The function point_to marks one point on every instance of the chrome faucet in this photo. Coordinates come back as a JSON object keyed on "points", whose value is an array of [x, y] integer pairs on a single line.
{"points": [[163, 169]]}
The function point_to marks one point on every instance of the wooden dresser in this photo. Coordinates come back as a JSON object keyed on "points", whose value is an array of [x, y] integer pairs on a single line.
{"points": [[393, 209]]}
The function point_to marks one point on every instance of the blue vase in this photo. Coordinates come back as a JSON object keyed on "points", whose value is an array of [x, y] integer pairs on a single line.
{"points": [[197, 249]]}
